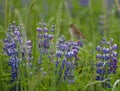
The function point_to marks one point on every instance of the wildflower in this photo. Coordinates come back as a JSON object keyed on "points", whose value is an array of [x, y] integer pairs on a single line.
{"points": [[29, 52], [59, 54], [10, 48], [108, 6], [16, 49], [104, 19], [106, 58], [84, 2], [67, 55], [45, 36]]}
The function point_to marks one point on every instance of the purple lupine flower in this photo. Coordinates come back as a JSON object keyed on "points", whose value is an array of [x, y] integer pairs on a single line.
{"points": [[59, 54], [98, 48], [14, 48], [80, 44], [52, 28], [29, 50], [114, 47], [105, 50], [44, 36], [69, 4], [39, 29], [99, 64], [10, 48], [44, 41], [99, 56], [57, 63], [67, 51], [64, 63], [69, 54], [61, 40], [69, 75], [46, 44], [17, 33], [51, 36], [108, 7], [62, 47], [106, 58], [45, 29], [84, 2]]}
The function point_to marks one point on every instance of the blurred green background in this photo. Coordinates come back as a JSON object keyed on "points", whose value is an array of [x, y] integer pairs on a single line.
{"points": [[94, 18]]}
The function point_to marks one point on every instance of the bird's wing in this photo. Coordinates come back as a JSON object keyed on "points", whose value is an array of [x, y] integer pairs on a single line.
{"points": [[79, 33]]}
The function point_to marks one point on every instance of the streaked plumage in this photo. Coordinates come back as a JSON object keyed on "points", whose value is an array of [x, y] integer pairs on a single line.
{"points": [[75, 32]]}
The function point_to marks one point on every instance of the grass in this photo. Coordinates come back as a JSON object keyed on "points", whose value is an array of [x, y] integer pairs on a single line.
{"points": [[58, 12]]}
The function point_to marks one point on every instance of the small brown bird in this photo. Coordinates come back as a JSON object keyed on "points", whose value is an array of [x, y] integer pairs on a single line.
{"points": [[75, 32]]}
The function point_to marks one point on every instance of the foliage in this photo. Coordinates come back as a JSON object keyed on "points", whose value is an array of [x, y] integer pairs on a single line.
{"points": [[97, 19]]}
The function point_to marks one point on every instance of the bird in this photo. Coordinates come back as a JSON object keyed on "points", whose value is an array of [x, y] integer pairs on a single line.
{"points": [[75, 32]]}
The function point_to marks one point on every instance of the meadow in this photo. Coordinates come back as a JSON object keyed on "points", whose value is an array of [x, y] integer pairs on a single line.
{"points": [[38, 53]]}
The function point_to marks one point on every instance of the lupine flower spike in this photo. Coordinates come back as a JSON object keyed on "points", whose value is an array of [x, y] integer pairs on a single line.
{"points": [[106, 59]]}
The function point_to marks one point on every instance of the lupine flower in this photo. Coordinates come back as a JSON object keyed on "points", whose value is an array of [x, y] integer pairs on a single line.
{"points": [[29, 52], [45, 36], [106, 58], [84, 2], [16, 49], [67, 55], [101, 23], [13, 38], [104, 18], [69, 4], [108, 5]]}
